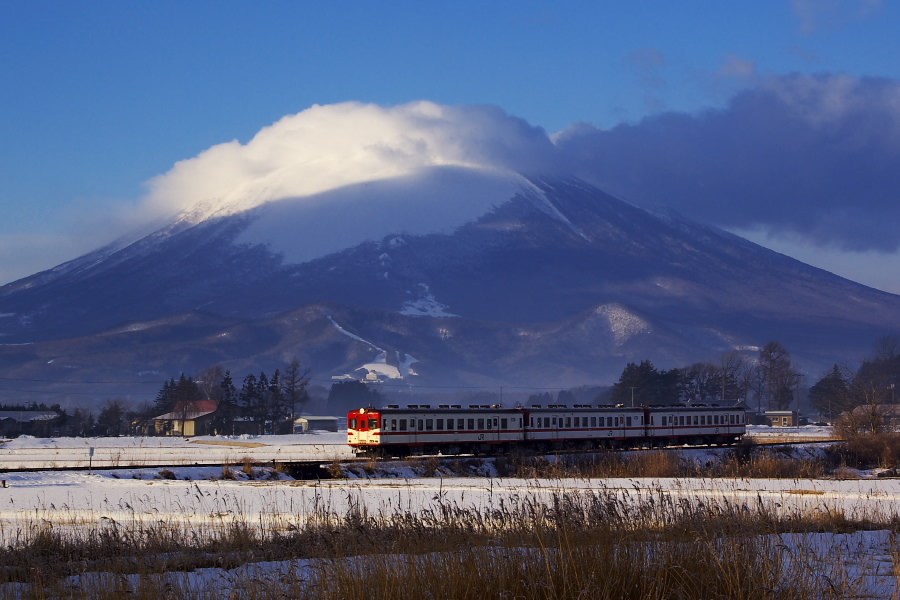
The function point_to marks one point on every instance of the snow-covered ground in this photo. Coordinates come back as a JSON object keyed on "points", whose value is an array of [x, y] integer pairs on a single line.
{"points": [[27, 452], [200, 497]]}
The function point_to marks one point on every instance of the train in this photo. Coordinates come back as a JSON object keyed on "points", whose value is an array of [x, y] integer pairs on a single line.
{"points": [[419, 429]]}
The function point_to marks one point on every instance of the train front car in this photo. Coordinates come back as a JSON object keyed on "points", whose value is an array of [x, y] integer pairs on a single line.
{"points": [[364, 430]]}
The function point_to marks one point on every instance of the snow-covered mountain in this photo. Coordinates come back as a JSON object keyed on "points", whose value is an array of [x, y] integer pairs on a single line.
{"points": [[453, 276], [430, 245]]}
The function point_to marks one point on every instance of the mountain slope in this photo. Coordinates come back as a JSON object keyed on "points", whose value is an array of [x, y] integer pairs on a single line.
{"points": [[480, 277]]}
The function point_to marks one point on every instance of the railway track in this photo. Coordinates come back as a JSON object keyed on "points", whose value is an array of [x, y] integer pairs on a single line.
{"points": [[307, 458]]}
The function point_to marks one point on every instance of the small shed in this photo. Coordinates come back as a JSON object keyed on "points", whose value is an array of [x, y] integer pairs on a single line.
{"points": [[308, 423], [187, 419], [783, 418]]}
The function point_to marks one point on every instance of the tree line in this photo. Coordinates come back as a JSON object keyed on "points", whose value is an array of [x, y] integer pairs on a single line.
{"points": [[858, 400], [767, 382], [271, 402]]}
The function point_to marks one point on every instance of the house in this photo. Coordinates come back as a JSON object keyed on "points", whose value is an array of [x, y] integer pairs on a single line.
{"points": [[26, 422], [310, 423], [782, 418], [188, 419]]}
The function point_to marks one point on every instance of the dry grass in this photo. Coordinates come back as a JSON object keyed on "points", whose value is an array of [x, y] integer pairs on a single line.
{"points": [[745, 461], [544, 544]]}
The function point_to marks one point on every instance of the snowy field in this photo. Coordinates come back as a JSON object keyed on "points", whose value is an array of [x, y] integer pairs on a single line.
{"points": [[199, 496]]}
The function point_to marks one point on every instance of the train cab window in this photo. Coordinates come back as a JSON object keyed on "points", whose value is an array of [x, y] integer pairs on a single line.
{"points": [[471, 424], [402, 424], [504, 424], [429, 424], [352, 423], [439, 424], [373, 423]]}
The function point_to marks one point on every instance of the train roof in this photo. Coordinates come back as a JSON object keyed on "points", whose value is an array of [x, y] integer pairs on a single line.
{"points": [[395, 408]]}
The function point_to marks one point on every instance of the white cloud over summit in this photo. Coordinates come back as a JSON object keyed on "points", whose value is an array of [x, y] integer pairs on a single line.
{"points": [[328, 147]]}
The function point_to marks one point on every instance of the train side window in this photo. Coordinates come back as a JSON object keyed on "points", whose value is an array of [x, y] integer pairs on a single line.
{"points": [[554, 421], [593, 421], [504, 424], [652, 420], [628, 421], [393, 424], [480, 424], [489, 423], [703, 419], [440, 424], [531, 421], [471, 424], [429, 424], [568, 422], [352, 423], [402, 424], [420, 425]]}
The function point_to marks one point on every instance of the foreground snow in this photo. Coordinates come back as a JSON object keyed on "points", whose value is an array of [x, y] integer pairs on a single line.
{"points": [[199, 497]]}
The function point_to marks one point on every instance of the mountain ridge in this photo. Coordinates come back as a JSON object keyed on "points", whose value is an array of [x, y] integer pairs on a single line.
{"points": [[548, 283]]}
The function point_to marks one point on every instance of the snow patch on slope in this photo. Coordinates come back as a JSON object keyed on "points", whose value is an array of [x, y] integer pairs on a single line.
{"points": [[623, 324], [425, 306], [379, 366]]}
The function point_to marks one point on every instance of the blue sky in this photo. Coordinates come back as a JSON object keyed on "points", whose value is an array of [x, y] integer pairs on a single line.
{"points": [[98, 98]]}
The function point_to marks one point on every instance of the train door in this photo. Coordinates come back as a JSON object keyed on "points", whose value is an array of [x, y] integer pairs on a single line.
{"points": [[556, 423], [492, 433]]}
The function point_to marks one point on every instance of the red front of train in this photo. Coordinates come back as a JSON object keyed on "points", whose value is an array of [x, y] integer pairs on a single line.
{"points": [[363, 427]]}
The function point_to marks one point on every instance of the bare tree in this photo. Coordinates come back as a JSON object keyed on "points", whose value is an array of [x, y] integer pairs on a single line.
{"points": [[732, 376], [776, 376], [209, 380], [294, 382]]}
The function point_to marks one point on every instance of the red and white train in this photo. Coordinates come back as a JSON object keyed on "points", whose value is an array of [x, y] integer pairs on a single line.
{"points": [[483, 429]]}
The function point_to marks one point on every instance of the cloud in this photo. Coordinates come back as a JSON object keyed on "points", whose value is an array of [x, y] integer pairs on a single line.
{"points": [[810, 157], [328, 147], [822, 15]]}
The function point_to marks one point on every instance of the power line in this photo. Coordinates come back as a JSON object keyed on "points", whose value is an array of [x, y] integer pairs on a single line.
{"points": [[79, 382]]}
